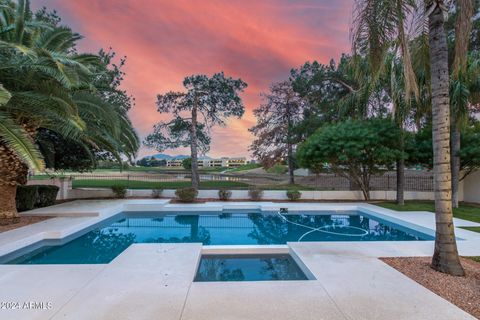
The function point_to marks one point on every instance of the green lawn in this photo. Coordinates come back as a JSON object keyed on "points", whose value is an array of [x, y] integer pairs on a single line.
{"points": [[166, 169], [146, 170], [287, 187], [134, 184], [44, 177], [249, 166], [278, 169], [474, 258], [474, 229], [466, 212]]}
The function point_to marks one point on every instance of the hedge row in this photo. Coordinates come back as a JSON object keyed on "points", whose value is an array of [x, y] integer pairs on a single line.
{"points": [[35, 196]]}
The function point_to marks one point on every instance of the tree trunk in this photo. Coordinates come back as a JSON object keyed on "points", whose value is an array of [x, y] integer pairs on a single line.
{"points": [[455, 161], [445, 257], [12, 172], [291, 178], [401, 169], [365, 185], [8, 207], [366, 193], [400, 181], [193, 149]]}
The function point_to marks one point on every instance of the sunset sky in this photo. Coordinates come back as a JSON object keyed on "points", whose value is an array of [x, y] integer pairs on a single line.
{"points": [[164, 41]]}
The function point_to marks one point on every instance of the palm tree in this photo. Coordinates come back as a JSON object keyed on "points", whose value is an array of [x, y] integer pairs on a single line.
{"points": [[379, 28], [379, 32], [460, 86], [445, 256], [394, 86], [46, 84]]}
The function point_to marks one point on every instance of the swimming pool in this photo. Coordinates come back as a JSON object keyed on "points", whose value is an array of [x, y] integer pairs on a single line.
{"points": [[102, 243], [265, 267]]}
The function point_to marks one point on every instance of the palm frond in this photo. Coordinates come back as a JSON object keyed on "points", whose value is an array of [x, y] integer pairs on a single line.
{"points": [[22, 8], [60, 39], [18, 47], [463, 27], [17, 140], [5, 96], [94, 109]]}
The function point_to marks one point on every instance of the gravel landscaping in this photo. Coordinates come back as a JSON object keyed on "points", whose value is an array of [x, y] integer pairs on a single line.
{"points": [[21, 222], [464, 292]]}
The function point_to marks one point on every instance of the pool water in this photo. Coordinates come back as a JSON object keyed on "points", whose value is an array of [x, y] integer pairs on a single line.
{"points": [[248, 268], [103, 244]]}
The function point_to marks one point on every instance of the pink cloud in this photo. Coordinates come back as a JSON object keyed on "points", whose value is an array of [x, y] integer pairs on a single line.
{"points": [[258, 41]]}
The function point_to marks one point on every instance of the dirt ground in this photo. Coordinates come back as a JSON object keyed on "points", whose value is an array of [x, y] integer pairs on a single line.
{"points": [[464, 292], [21, 222]]}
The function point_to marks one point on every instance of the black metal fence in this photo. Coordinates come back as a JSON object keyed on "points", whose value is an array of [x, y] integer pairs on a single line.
{"points": [[414, 181]]}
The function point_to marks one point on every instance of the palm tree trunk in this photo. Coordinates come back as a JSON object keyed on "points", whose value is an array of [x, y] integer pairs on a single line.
{"points": [[193, 149], [445, 257], [8, 207], [12, 172], [455, 162]]}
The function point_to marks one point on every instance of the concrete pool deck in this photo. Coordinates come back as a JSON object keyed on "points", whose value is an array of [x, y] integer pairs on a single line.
{"points": [[154, 281]]}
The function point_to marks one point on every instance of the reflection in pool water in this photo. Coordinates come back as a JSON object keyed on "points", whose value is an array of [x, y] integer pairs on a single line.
{"points": [[104, 244], [248, 268]]}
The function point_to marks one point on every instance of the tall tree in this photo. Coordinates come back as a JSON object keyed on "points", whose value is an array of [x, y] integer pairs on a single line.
{"points": [[461, 85], [379, 27], [445, 256], [421, 152], [275, 141], [379, 32], [50, 87], [340, 91], [205, 103]]}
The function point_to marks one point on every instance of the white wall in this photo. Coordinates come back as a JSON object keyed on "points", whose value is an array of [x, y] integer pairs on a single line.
{"points": [[64, 185], [267, 195], [471, 187]]}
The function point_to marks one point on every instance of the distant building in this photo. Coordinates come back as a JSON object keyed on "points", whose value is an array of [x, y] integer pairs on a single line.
{"points": [[174, 162], [224, 162], [234, 162]]}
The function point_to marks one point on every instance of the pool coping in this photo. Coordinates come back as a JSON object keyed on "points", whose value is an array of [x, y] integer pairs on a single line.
{"points": [[156, 280], [81, 215]]}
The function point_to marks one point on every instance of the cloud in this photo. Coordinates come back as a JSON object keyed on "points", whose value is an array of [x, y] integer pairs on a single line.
{"points": [[258, 41]]}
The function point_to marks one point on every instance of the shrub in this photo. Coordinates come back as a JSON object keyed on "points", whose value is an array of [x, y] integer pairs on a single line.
{"points": [[119, 191], [255, 194], [368, 147], [46, 196], [157, 193], [26, 197], [224, 194], [293, 195], [186, 194]]}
